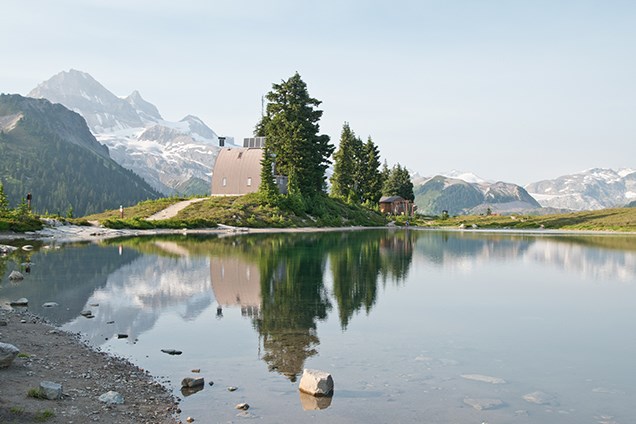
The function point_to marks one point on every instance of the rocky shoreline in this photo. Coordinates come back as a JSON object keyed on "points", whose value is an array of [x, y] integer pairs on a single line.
{"points": [[50, 354]]}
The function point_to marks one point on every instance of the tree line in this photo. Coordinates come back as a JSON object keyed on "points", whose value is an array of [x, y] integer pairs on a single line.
{"points": [[295, 148]]}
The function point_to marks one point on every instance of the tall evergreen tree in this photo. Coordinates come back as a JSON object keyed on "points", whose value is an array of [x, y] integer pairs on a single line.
{"points": [[4, 202], [372, 177], [399, 183], [267, 187], [291, 127], [344, 166]]}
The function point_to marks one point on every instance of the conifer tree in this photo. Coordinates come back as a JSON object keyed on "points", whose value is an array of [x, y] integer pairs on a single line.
{"points": [[267, 187], [291, 127], [344, 167], [372, 177], [4, 202], [399, 183]]}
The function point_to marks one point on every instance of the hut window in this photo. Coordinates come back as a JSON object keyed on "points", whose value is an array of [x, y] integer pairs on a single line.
{"points": [[224, 183], [249, 181]]}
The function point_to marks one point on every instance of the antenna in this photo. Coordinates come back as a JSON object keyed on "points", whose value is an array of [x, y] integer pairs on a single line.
{"points": [[262, 106]]}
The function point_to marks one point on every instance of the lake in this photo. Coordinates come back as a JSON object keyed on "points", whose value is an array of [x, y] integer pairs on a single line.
{"points": [[414, 326]]}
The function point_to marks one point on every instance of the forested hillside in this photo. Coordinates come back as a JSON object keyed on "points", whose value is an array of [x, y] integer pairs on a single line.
{"points": [[48, 151]]}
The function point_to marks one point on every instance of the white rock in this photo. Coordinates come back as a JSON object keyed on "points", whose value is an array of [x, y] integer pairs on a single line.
{"points": [[112, 398], [8, 352], [484, 378], [16, 276], [540, 398], [7, 249], [484, 404], [50, 305], [23, 301], [316, 383], [51, 390]]}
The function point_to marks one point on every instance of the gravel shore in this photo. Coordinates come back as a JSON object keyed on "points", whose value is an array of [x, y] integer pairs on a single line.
{"points": [[50, 354]]}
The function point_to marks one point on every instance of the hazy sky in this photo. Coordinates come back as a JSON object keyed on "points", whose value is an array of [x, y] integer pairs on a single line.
{"points": [[511, 90]]}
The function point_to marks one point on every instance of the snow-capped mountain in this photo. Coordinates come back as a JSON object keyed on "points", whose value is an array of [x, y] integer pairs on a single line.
{"points": [[595, 188], [458, 196], [169, 155]]}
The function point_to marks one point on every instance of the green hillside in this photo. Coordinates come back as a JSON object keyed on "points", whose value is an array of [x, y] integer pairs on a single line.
{"points": [[48, 151]]}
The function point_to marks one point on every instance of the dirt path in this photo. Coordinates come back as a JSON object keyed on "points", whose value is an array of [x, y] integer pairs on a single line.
{"points": [[172, 211]]}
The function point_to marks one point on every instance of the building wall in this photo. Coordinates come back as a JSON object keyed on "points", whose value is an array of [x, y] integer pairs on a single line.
{"points": [[237, 171]]}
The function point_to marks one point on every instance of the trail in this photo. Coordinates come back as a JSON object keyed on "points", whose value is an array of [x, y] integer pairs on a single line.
{"points": [[173, 210]]}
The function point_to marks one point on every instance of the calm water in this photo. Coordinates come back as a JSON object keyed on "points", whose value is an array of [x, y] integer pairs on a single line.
{"points": [[397, 317]]}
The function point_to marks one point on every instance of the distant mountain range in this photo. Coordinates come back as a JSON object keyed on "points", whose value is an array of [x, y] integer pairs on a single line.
{"points": [[460, 197], [466, 193], [173, 157], [49, 151], [595, 188]]}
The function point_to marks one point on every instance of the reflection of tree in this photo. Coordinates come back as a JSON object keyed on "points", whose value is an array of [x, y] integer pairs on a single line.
{"points": [[294, 297], [358, 260], [396, 251], [355, 266]]}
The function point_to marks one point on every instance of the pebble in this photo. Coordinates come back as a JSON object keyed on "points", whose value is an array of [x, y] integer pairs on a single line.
{"points": [[484, 404], [232, 389], [540, 398], [190, 419], [242, 406], [171, 351]]}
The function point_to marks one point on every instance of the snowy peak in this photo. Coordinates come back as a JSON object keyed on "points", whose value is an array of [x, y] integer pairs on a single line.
{"points": [[174, 157], [469, 177], [144, 109], [198, 127], [80, 92], [595, 188]]}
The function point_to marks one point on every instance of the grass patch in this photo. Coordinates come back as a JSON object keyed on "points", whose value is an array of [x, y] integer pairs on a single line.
{"points": [[23, 355], [43, 416], [36, 393], [17, 410]]}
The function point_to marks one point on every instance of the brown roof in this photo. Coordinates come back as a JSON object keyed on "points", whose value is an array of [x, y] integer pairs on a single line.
{"points": [[237, 171]]}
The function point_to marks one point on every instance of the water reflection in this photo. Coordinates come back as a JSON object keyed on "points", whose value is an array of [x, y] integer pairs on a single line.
{"points": [[284, 284]]}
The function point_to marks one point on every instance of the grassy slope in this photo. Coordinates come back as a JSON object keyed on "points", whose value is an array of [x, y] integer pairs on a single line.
{"points": [[619, 219], [243, 211]]}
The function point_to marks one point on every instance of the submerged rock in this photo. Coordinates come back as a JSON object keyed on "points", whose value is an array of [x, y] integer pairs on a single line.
{"points": [[484, 404], [540, 398], [171, 351], [50, 305], [23, 301], [192, 382], [484, 378], [16, 276]]}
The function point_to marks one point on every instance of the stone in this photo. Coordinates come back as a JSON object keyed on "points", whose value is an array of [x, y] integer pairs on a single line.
{"points": [[171, 351], [484, 404], [16, 276], [242, 406], [190, 419], [50, 305], [540, 398], [112, 398], [27, 247], [86, 313], [50, 390], [4, 249], [192, 382], [8, 352], [484, 378], [122, 336], [23, 301], [316, 383], [232, 389]]}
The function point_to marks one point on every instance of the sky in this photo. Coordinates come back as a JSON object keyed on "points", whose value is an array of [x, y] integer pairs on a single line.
{"points": [[511, 90]]}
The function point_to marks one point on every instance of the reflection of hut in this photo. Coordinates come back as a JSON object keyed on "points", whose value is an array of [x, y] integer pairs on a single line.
{"points": [[236, 282]]}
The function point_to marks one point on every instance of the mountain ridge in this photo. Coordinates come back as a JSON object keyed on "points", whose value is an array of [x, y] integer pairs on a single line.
{"points": [[168, 155]]}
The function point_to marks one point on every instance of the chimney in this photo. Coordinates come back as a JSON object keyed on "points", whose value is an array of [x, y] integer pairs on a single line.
{"points": [[221, 141]]}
